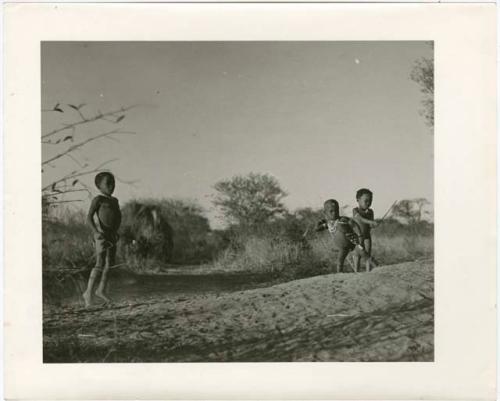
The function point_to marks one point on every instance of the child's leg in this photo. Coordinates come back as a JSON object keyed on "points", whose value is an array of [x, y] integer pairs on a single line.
{"points": [[368, 249], [358, 254], [110, 261], [367, 242], [100, 255], [341, 258], [357, 260]]}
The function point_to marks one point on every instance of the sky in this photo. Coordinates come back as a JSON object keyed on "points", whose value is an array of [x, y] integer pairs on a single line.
{"points": [[324, 118]]}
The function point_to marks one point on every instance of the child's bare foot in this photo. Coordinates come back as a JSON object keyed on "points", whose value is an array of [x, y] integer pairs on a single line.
{"points": [[101, 295], [87, 297]]}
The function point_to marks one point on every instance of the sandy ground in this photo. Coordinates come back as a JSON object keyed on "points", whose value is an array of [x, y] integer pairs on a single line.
{"points": [[384, 315]]}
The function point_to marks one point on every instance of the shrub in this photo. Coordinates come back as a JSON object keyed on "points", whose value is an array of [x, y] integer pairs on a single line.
{"points": [[146, 234]]}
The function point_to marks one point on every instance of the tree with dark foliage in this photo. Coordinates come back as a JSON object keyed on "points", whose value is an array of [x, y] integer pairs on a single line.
{"points": [[250, 200], [423, 74]]}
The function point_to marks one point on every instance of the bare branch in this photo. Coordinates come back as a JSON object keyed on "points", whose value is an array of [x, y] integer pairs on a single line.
{"points": [[76, 174], [113, 139], [59, 189], [55, 108], [87, 188], [69, 177], [79, 145], [75, 160], [77, 108], [100, 166], [66, 192], [64, 201], [97, 117], [128, 182]]}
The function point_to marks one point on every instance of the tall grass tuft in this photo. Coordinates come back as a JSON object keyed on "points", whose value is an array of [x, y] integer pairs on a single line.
{"points": [[259, 255], [390, 250], [67, 243]]}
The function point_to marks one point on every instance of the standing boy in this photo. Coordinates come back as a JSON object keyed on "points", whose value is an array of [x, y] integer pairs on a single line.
{"points": [[107, 210], [363, 215]]}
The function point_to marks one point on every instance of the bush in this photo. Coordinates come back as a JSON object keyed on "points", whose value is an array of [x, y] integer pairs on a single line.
{"points": [[146, 235], [181, 222], [194, 241]]}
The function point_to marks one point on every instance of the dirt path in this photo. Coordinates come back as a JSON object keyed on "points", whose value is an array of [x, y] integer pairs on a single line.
{"points": [[385, 315]]}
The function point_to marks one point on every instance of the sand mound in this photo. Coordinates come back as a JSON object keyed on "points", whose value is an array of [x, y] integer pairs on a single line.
{"points": [[385, 315]]}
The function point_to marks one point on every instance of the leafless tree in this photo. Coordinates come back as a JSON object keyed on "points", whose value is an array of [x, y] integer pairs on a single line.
{"points": [[66, 143]]}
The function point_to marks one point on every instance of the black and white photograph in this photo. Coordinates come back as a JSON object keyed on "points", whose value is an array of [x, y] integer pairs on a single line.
{"points": [[237, 201], [250, 201]]}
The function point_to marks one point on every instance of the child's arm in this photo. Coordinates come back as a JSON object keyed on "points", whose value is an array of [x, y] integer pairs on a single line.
{"points": [[322, 225], [119, 214], [360, 218], [90, 216]]}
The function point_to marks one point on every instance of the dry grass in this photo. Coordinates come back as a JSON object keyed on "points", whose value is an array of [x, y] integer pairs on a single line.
{"points": [[279, 252], [67, 244], [390, 250], [259, 255], [280, 257]]}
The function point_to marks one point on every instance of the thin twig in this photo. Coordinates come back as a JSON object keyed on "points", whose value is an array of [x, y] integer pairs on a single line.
{"points": [[112, 139], [386, 213], [88, 120], [104, 163], [66, 191], [128, 182], [81, 115], [75, 160], [87, 188], [70, 176], [79, 145], [64, 201]]}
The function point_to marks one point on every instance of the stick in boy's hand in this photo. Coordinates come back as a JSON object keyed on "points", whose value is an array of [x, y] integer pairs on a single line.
{"points": [[386, 214], [304, 236]]}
